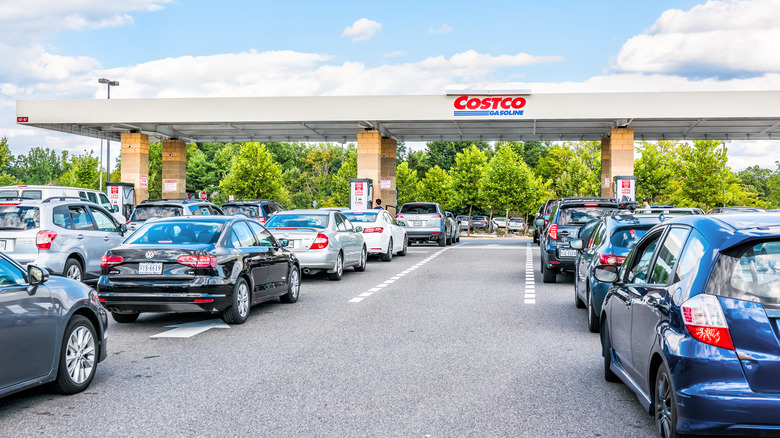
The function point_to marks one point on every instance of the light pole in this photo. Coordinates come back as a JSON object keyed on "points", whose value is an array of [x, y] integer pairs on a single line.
{"points": [[109, 84]]}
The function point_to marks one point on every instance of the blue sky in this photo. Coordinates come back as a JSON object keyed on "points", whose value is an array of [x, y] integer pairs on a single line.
{"points": [[161, 48]]}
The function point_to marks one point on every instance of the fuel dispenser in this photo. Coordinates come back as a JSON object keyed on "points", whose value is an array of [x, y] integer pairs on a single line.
{"points": [[624, 188], [361, 194], [121, 195]]}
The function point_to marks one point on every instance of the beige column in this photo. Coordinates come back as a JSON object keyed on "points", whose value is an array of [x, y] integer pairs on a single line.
{"points": [[135, 163], [387, 172], [376, 161], [617, 157], [174, 169]]}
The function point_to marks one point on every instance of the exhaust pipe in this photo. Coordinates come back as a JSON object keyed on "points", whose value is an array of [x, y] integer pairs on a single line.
{"points": [[306, 271]]}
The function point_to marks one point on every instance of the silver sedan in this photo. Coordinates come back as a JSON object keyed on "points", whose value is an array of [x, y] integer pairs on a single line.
{"points": [[322, 240]]}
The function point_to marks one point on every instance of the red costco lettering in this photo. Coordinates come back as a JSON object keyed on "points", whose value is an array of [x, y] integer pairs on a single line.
{"points": [[472, 103]]}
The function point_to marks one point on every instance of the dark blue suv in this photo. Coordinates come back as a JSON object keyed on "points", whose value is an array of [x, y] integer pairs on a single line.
{"points": [[692, 324]]}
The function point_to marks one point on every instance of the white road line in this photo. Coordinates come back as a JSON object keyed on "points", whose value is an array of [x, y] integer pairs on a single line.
{"points": [[374, 289], [356, 300], [530, 285], [366, 294]]}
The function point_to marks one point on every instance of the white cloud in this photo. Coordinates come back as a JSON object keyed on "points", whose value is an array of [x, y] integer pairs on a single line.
{"points": [[745, 153], [727, 38], [394, 54], [443, 29], [362, 29]]}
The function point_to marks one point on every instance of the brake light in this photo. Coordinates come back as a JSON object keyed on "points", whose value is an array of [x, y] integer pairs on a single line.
{"points": [[705, 321], [553, 232], [398, 216], [546, 221], [436, 216], [199, 261], [373, 230], [611, 259], [320, 242], [10, 203], [44, 239], [261, 219], [591, 205], [108, 261]]}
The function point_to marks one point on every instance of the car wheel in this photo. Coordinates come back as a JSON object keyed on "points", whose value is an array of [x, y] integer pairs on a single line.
{"points": [[78, 357], [593, 320], [448, 240], [386, 257], [577, 301], [443, 240], [125, 317], [548, 275], [238, 312], [73, 270], [665, 405], [406, 245], [363, 260], [336, 276], [609, 376], [457, 237], [293, 286]]}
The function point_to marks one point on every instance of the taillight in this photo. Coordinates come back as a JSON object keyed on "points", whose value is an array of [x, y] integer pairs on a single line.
{"points": [[108, 261], [10, 203], [44, 238], [591, 205], [398, 216], [436, 216], [199, 261], [705, 321], [261, 219], [373, 230], [553, 232], [321, 241], [611, 259]]}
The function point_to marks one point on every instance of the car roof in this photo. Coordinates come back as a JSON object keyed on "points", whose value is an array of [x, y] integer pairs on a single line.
{"points": [[308, 211], [726, 231], [53, 200], [588, 199], [207, 218], [248, 201]]}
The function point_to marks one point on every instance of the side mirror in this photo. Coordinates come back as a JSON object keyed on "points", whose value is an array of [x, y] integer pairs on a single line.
{"points": [[122, 228], [358, 229], [576, 244], [115, 209], [606, 273], [36, 275], [284, 243]]}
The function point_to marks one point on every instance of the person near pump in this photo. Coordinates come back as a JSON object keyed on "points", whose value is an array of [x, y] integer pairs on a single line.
{"points": [[646, 206], [378, 204]]}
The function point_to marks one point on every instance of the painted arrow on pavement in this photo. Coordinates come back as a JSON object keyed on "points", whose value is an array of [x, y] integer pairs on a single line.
{"points": [[190, 329]]}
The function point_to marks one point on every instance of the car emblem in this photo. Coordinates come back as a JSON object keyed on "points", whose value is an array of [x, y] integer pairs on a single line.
{"points": [[149, 254]]}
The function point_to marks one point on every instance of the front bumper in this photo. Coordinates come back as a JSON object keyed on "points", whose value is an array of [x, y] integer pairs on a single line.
{"points": [[202, 294]]}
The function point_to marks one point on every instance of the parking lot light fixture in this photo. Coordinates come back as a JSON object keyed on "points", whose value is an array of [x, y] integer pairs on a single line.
{"points": [[109, 83]]}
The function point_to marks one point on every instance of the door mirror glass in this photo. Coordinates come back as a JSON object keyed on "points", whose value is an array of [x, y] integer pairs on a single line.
{"points": [[358, 229], [284, 243], [36, 275], [576, 244], [606, 273]]}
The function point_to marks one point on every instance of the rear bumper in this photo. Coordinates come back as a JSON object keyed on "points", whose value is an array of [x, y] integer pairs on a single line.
{"points": [[376, 243], [213, 295], [418, 235], [559, 263], [317, 259]]}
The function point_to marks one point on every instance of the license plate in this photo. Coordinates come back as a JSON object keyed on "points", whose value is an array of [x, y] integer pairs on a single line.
{"points": [[416, 223], [150, 268], [2, 245], [568, 252]]}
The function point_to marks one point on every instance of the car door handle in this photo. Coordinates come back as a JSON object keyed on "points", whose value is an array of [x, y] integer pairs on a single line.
{"points": [[106, 238], [79, 236], [628, 304], [563, 233]]}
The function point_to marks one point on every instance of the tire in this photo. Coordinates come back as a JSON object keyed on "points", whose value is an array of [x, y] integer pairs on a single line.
{"points": [[448, 240], [548, 275], [386, 257], [665, 404], [593, 320], [238, 312], [457, 237], [443, 240], [609, 376], [73, 270], [293, 286], [336, 276], [363, 260], [406, 245], [78, 356], [123, 318], [577, 301]]}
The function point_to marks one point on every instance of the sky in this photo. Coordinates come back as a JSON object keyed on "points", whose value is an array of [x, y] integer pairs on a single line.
{"points": [[55, 49]]}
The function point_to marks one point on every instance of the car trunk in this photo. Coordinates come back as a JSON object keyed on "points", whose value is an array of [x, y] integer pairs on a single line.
{"points": [[300, 239], [420, 220], [156, 262]]}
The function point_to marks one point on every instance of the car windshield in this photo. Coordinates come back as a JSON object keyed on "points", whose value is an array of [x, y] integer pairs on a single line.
{"points": [[246, 210], [359, 216], [19, 217], [144, 212], [172, 232], [750, 272], [419, 209], [581, 215], [627, 237], [298, 221]]}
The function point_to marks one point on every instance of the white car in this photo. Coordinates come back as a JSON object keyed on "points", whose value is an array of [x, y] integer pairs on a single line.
{"points": [[381, 232]]}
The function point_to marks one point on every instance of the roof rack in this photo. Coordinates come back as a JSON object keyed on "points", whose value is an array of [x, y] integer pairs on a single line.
{"points": [[589, 198], [183, 200], [64, 198]]}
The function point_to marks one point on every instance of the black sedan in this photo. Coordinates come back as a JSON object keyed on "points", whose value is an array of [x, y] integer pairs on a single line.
{"points": [[51, 330], [220, 265]]}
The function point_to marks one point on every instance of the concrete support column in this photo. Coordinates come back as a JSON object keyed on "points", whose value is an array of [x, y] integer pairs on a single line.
{"points": [[135, 164], [617, 157], [376, 160], [174, 169]]}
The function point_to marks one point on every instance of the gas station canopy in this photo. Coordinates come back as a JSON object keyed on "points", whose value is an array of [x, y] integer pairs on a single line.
{"points": [[462, 116]]}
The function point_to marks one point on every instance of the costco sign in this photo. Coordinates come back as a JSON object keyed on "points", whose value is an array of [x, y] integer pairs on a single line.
{"points": [[466, 105]]}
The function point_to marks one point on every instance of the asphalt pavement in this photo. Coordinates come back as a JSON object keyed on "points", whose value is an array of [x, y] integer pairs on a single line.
{"points": [[444, 342]]}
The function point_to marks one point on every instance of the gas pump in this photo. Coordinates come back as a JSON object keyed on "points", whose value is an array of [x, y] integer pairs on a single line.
{"points": [[361, 193], [121, 195], [624, 188]]}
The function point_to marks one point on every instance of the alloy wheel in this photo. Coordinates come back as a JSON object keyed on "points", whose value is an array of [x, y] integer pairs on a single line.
{"points": [[243, 300], [80, 355], [663, 405]]}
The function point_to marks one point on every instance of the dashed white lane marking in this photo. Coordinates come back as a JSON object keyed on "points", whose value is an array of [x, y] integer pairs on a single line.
{"points": [[530, 287], [398, 276]]}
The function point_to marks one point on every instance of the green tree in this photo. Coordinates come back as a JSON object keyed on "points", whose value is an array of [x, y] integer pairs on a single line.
{"points": [[5, 154], [154, 181], [419, 162], [255, 174], [504, 181], [756, 179], [40, 166], [703, 174], [83, 172], [437, 186], [405, 183], [340, 185], [442, 153], [654, 170], [773, 188], [467, 173]]}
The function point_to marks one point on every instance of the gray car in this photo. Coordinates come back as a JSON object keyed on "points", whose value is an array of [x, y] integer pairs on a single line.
{"points": [[159, 208], [51, 330], [425, 222], [64, 235], [322, 240]]}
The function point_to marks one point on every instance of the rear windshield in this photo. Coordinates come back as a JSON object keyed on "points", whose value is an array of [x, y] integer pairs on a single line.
{"points": [[177, 232], [581, 215], [144, 212], [419, 209], [19, 217], [246, 210], [627, 237], [298, 221], [361, 217], [749, 272]]}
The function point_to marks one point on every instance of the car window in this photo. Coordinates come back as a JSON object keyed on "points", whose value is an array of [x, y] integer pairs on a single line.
{"points": [[104, 201], [268, 209], [176, 232], [80, 218], [60, 216], [298, 221], [749, 272], [10, 274], [206, 210], [92, 197], [389, 218], [19, 217], [245, 237], [264, 238], [668, 254], [194, 210], [340, 222], [640, 264], [419, 209], [627, 237], [362, 216], [348, 225], [5, 194], [581, 215], [598, 236], [31, 194], [246, 210], [103, 220], [587, 233], [144, 212], [691, 257]]}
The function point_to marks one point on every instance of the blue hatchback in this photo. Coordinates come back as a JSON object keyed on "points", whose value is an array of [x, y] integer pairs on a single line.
{"points": [[692, 324]]}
